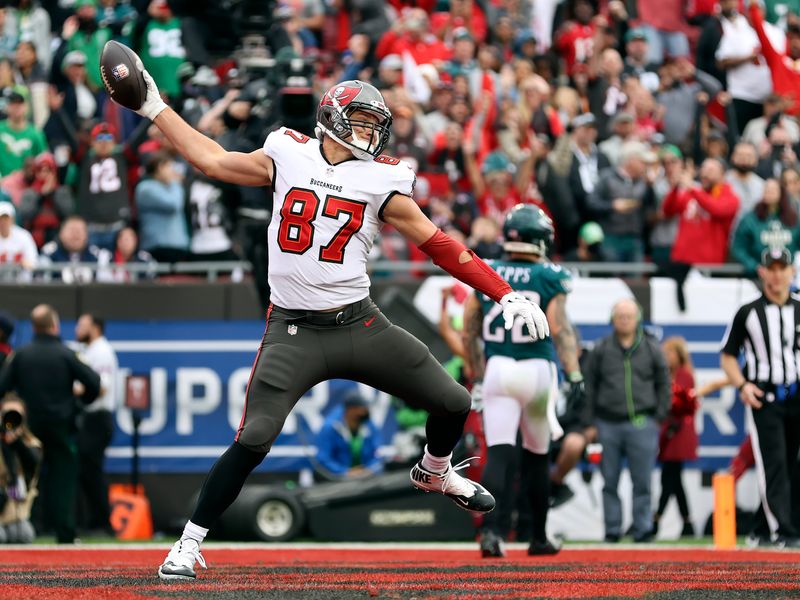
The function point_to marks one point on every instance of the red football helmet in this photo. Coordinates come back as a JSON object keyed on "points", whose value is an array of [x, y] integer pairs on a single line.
{"points": [[336, 109]]}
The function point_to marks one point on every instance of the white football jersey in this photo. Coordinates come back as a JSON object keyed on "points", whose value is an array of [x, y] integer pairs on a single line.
{"points": [[324, 220], [18, 247]]}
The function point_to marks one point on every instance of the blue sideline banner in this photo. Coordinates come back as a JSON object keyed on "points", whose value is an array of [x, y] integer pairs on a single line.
{"points": [[199, 373], [198, 376]]}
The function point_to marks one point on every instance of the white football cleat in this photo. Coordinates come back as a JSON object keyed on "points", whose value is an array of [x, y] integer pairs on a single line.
{"points": [[179, 563], [464, 492]]}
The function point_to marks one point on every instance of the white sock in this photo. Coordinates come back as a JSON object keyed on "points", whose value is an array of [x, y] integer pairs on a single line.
{"points": [[435, 464], [194, 532]]}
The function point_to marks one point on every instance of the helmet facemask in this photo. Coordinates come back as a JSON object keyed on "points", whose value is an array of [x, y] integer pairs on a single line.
{"points": [[335, 120]]}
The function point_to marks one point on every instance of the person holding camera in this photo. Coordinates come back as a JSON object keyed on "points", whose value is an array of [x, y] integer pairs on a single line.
{"points": [[766, 330], [20, 458], [43, 373]]}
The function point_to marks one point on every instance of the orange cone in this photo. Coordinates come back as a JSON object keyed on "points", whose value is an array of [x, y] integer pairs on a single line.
{"points": [[724, 511]]}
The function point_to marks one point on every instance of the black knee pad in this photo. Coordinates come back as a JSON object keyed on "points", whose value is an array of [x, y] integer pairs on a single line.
{"points": [[259, 433], [458, 400]]}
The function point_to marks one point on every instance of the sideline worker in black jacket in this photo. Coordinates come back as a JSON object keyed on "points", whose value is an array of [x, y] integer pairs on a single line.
{"points": [[628, 393], [43, 373]]}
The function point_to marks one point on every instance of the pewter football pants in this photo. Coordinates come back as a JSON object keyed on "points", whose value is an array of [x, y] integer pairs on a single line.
{"points": [[300, 349]]}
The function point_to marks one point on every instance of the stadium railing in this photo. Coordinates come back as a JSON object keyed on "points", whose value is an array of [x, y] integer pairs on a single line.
{"points": [[212, 270]]}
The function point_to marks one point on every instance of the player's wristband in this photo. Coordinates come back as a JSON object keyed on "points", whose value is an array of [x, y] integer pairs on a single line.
{"points": [[741, 387], [447, 253]]}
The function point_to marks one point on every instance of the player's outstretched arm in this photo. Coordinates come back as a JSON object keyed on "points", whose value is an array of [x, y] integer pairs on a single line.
{"points": [[254, 168], [403, 213]]}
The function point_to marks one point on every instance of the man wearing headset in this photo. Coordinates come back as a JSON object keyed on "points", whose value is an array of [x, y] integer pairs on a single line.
{"points": [[628, 393]]}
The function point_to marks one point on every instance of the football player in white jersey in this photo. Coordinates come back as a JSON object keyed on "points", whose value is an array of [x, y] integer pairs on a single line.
{"points": [[331, 195]]}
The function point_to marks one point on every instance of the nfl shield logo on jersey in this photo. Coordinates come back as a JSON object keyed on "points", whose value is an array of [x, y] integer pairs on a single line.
{"points": [[292, 329]]}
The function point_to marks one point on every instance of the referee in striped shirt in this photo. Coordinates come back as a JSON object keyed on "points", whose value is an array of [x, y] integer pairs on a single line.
{"points": [[768, 330]]}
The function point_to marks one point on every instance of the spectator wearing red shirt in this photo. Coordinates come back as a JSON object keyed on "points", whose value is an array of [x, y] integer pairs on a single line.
{"points": [[663, 22], [782, 64], [706, 215], [678, 438], [575, 39], [462, 13], [411, 34]]}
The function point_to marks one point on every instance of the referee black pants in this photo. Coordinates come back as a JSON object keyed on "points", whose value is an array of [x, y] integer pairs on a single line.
{"points": [[775, 430]]}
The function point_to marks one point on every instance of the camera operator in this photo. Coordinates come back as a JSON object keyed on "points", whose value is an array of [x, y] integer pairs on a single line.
{"points": [[43, 373], [19, 471]]}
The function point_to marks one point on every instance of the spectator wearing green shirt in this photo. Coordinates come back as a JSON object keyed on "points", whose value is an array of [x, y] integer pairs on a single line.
{"points": [[161, 46], [780, 11], [82, 32], [18, 138], [771, 224]]}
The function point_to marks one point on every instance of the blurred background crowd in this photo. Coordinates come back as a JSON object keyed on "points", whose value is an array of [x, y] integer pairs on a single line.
{"points": [[649, 130]]}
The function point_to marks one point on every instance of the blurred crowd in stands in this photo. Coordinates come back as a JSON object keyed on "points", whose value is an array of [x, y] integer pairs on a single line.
{"points": [[648, 131]]}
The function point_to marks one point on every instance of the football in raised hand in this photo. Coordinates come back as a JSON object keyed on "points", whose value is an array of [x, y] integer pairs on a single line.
{"points": [[121, 77]]}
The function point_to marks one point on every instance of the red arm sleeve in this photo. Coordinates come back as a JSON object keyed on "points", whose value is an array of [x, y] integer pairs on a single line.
{"points": [[449, 255]]}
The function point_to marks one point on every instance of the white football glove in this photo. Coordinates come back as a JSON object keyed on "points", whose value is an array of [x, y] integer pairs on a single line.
{"points": [[153, 104], [516, 305], [477, 396]]}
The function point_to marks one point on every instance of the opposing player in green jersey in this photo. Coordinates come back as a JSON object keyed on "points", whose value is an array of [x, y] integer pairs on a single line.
{"points": [[517, 378]]}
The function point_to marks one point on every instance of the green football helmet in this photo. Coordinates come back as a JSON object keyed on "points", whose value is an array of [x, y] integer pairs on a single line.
{"points": [[527, 229]]}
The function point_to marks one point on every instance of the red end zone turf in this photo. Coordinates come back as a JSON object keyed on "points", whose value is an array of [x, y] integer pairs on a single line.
{"points": [[291, 572]]}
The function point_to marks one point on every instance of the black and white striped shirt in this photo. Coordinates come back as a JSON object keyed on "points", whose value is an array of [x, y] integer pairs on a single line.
{"points": [[768, 334]]}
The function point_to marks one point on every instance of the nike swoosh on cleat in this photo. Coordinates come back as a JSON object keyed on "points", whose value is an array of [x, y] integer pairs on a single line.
{"points": [[369, 322]]}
